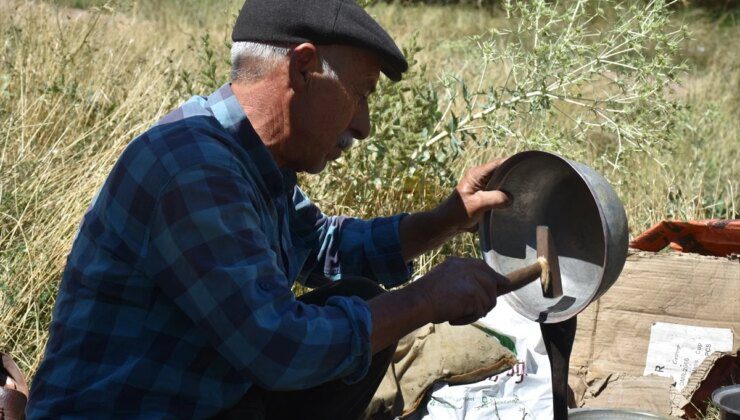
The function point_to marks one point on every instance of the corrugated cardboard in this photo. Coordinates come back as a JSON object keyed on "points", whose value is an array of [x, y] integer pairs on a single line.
{"points": [[614, 331], [652, 392]]}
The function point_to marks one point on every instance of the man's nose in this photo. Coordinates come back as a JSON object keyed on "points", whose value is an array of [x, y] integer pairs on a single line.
{"points": [[360, 125]]}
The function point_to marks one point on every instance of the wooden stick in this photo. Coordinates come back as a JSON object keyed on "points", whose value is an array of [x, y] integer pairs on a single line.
{"points": [[546, 269]]}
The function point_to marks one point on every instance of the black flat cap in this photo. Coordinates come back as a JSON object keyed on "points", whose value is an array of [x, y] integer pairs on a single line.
{"points": [[322, 22]]}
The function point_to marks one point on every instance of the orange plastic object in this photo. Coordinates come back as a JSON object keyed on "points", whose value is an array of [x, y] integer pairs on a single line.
{"points": [[707, 237]]}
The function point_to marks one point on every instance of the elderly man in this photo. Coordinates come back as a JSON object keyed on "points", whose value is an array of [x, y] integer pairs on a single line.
{"points": [[176, 300]]}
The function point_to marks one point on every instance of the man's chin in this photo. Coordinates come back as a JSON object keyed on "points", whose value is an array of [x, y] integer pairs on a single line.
{"points": [[315, 169], [319, 167]]}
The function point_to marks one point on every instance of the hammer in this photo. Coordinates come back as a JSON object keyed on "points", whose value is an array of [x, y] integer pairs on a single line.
{"points": [[546, 269]]}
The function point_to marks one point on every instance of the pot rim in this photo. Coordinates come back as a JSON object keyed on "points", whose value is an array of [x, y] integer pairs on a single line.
{"points": [[500, 176]]}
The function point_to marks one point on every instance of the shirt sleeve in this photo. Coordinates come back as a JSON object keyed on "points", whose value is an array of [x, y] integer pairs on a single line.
{"points": [[347, 246], [209, 255]]}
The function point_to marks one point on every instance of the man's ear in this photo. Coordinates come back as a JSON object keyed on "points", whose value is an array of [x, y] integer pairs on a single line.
{"points": [[304, 59]]}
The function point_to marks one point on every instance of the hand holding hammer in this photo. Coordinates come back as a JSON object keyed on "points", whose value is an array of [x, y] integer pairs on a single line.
{"points": [[546, 269]]}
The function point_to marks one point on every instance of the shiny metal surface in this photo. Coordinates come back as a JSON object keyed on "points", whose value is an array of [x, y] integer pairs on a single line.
{"points": [[610, 414], [588, 225], [727, 399]]}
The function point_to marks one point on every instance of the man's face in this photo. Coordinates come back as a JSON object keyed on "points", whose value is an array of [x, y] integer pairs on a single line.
{"points": [[329, 114]]}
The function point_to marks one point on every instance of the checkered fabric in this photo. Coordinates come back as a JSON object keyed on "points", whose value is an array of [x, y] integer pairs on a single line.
{"points": [[177, 295]]}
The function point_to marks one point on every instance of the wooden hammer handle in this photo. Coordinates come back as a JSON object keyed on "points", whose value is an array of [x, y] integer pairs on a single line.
{"points": [[520, 278]]}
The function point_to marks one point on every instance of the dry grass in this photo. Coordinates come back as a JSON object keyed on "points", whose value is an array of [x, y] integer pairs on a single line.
{"points": [[77, 86], [76, 89]]}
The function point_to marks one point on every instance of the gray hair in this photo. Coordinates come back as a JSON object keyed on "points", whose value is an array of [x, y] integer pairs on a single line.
{"points": [[250, 61]]}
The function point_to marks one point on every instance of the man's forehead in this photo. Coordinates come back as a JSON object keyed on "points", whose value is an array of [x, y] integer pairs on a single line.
{"points": [[371, 68], [364, 64]]}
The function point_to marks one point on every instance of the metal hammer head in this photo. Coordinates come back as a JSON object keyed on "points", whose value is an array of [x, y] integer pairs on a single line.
{"points": [[552, 285]]}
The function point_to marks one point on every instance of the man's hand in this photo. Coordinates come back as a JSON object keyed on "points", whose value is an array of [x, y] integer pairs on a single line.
{"points": [[460, 290], [465, 207], [460, 212]]}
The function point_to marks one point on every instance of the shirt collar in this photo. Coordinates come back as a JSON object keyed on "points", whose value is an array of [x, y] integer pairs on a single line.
{"points": [[228, 111]]}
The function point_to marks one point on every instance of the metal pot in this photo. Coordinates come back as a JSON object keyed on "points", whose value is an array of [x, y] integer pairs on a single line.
{"points": [[611, 414], [588, 225], [727, 399]]}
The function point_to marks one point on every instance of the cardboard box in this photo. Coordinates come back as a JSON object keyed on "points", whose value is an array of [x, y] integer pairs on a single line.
{"points": [[613, 332], [611, 344]]}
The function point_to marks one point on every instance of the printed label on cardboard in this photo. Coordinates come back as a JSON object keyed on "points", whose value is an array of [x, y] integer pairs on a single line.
{"points": [[676, 350]]}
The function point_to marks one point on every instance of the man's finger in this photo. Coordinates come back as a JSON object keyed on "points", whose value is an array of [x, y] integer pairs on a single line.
{"points": [[494, 199], [492, 165], [484, 172], [489, 280]]}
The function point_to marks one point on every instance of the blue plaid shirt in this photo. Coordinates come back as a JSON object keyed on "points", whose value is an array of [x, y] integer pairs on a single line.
{"points": [[177, 295]]}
